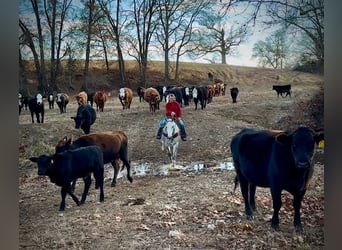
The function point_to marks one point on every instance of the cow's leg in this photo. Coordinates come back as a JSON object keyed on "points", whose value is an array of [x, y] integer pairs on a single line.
{"points": [[244, 190], [73, 196], [32, 117], [297, 201], [116, 168], [128, 167], [99, 182], [276, 198], [87, 183], [252, 189], [66, 189], [37, 117]]}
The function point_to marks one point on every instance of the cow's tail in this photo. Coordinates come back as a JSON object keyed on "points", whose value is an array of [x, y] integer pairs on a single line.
{"points": [[236, 182]]}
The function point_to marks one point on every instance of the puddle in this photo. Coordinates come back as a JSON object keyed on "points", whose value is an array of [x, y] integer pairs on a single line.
{"points": [[144, 169]]}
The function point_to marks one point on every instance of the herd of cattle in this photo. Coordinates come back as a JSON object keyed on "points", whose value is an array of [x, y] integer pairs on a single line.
{"points": [[279, 160]]}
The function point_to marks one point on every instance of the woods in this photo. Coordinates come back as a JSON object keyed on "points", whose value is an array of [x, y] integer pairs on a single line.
{"points": [[171, 30]]}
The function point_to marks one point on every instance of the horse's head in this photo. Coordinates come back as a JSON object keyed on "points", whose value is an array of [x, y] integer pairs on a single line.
{"points": [[171, 129]]}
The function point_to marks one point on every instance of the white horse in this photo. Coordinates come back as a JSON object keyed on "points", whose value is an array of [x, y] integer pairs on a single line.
{"points": [[170, 139]]}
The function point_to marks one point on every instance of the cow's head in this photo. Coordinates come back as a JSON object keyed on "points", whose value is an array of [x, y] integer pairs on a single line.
{"points": [[63, 144], [39, 99], [79, 120], [44, 162], [122, 93], [302, 142]]}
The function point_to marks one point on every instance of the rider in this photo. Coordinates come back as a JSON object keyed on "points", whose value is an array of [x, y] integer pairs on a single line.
{"points": [[172, 109]]}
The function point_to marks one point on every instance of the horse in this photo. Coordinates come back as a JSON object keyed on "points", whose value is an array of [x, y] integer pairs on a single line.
{"points": [[170, 139]]}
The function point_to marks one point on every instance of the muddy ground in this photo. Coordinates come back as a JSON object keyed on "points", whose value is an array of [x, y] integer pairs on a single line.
{"points": [[184, 209]]}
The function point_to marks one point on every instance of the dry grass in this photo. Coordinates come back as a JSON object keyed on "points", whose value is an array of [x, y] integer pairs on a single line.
{"points": [[184, 210]]}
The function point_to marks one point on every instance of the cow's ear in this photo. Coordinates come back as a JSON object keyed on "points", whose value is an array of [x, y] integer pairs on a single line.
{"points": [[319, 137], [34, 159], [283, 138]]}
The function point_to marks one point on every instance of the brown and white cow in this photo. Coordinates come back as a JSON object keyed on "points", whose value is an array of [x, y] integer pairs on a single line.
{"points": [[82, 98], [100, 99], [125, 97], [152, 96]]}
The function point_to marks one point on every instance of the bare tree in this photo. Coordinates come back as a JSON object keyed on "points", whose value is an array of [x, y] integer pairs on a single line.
{"points": [[273, 51], [143, 25], [306, 16], [217, 35], [115, 24], [183, 35], [55, 14], [29, 37]]}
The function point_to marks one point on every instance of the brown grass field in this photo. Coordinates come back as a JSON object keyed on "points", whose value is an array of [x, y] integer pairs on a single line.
{"points": [[184, 209]]}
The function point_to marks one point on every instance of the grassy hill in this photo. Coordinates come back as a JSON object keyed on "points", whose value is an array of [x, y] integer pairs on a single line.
{"points": [[190, 74]]}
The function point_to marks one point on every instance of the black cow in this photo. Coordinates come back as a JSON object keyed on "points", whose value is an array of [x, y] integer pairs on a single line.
{"points": [[51, 101], [85, 117], [275, 159], [90, 97], [140, 92], [36, 106], [21, 104], [65, 167], [200, 94], [62, 101], [282, 89], [178, 94], [234, 93], [186, 95]]}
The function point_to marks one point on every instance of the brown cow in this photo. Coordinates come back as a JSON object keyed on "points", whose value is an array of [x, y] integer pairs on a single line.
{"points": [[114, 145], [100, 99], [125, 97], [152, 96], [211, 93], [82, 98]]}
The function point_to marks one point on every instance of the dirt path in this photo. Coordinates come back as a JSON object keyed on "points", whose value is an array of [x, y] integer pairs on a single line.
{"points": [[180, 211]]}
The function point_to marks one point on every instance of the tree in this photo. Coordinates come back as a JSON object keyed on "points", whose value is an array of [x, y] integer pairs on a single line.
{"points": [[55, 13], [144, 25], [305, 16], [28, 38], [216, 34], [273, 51], [116, 25]]}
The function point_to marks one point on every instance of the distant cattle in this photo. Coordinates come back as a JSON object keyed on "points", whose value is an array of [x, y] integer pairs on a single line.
{"points": [[275, 159], [90, 98], [140, 92], [125, 97], [82, 98], [51, 101], [36, 106], [282, 90], [211, 93], [186, 95], [200, 94], [100, 98], [114, 145], [218, 89], [177, 91], [152, 97], [234, 93], [62, 101], [65, 167], [21, 105], [85, 117]]}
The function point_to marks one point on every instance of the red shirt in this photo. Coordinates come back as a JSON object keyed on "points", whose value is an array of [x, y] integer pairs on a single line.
{"points": [[173, 107]]}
